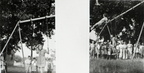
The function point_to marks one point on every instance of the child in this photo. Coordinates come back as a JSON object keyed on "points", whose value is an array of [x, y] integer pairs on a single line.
{"points": [[27, 64], [41, 61], [34, 65], [103, 21]]}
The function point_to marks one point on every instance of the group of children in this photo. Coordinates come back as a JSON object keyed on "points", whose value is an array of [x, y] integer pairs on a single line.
{"points": [[116, 50], [40, 64], [2, 64], [32, 66]]}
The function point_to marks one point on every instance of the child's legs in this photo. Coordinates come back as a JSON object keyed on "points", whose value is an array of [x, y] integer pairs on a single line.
{"points": [[41, 69]]}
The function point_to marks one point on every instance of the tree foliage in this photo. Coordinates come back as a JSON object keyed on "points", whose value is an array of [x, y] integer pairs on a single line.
{"points": [[113, 9], [14, 10]]}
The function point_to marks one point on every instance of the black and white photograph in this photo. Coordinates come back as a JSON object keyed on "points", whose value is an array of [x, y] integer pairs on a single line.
{"points": [[116, 36], [27, 36]]}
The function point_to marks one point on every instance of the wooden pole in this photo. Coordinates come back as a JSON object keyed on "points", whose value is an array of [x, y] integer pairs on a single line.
{"points": [[35, 19], [139, 38], [21, 46], [9, 38]]}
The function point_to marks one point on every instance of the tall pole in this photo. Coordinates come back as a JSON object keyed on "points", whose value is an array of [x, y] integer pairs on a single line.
{"points": [[35, 19], [21, 45], [139, 38], [32, 44], [9, 38]]}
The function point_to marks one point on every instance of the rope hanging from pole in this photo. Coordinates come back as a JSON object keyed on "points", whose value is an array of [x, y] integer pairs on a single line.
{"points": [[21, 45], [109, 30], [48, 35], [31, 43], [9, 38], [119, 16], [139, 38]]}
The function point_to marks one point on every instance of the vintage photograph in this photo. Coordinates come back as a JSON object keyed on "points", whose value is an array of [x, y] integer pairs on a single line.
{"points": [[116, 36], [27, 36]]}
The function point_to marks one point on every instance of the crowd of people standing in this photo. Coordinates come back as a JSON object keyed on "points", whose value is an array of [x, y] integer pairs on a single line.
{"points": [[115, 49]]}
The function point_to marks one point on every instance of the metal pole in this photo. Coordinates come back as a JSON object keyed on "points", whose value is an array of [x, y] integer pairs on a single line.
{"points": [[21, 45], [139, 38], [9, 38], [40, 18]]}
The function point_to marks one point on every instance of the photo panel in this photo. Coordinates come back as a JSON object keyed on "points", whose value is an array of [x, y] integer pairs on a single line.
{"points": [[116, 36], [27, 36]]}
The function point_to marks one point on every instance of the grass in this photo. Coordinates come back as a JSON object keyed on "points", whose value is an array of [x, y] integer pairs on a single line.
{"points": [[17, 69], [116, 66]]}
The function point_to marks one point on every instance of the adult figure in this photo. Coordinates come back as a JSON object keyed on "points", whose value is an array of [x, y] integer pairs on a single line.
{"points": [[120, 47], [41, 60], [28, 64], [109, 50], [124, 50], [141, 46], [34, 61], [136, 50], [117, 50], [104, 46], [129, 47], [2, 64], [92, 49], [97, 49], [100, 23], [143, 50]]}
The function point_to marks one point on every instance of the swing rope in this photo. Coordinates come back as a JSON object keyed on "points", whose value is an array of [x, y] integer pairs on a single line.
{"points": [[21, 45], [120, 16], [109, 30], [48, 35]]}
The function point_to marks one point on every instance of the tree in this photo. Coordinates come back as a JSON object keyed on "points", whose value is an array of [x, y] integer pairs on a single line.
{"points": [[14, 10]]}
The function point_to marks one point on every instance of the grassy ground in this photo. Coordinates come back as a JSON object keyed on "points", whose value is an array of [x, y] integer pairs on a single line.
{"points": [[15, 69], [116, 66], [18, 69]]}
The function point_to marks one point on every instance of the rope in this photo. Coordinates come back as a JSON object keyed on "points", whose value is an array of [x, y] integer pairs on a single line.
{"points": [[121, 15], [31, 45], [139, 38], [47, 37], [9, 38], [21, 45], [109, 30]]}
